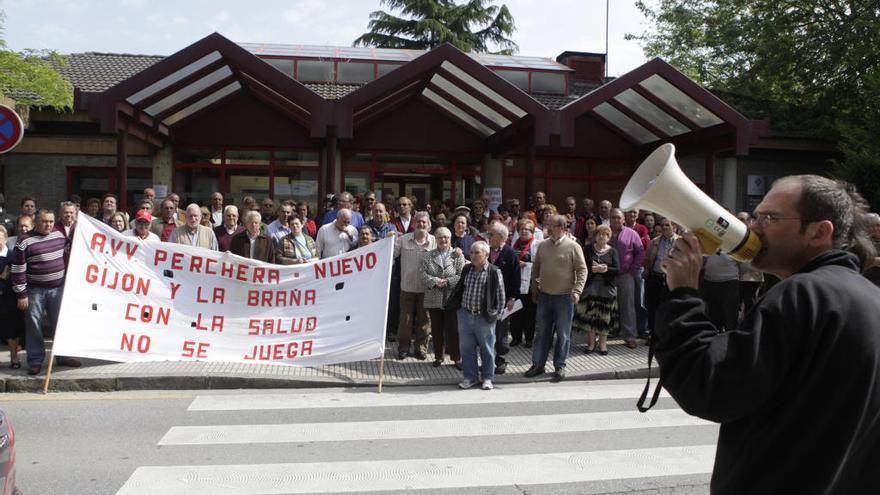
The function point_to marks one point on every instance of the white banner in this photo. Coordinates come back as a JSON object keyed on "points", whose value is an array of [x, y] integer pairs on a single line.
{"points": [[129, 300]]}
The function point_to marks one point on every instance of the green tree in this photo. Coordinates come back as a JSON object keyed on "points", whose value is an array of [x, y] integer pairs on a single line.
{"points": [[425, 24], [804, 64], [30, 77]]}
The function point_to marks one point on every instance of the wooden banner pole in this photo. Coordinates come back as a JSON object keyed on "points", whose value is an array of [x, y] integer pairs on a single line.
{"points": [[49, 372], [381, 371]]}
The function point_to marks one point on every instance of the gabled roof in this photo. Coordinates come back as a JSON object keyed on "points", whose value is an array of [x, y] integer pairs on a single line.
{"points": [[455, 85], [655, 103], [96, 72], [199, 77]]}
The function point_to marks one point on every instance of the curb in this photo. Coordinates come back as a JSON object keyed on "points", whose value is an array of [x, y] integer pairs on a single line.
{"points": [[226, 382]]}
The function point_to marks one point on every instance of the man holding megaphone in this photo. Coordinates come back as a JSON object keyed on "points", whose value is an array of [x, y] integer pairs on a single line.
{"points": [[796, 387]]}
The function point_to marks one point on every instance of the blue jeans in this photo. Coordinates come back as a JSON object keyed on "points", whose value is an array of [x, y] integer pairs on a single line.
{"points": [[554, 315], [641, 310], [475, 331], [40, 299]]}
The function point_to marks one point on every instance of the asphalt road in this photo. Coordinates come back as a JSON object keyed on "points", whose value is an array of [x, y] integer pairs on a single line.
{"points": [[573, 437]]}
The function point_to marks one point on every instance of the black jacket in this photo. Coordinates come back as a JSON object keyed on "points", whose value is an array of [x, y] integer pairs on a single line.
{"points": [[490, 307], [508, 263], [796, 388]]}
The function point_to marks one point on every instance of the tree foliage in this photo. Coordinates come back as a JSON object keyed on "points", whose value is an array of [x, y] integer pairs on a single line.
{"points": [[473, 26], [30, 77], [808, 65]]}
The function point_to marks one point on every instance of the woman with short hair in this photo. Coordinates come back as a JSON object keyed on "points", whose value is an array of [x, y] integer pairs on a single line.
{"points": [[296, 247], [596, 312], [441, 270]]}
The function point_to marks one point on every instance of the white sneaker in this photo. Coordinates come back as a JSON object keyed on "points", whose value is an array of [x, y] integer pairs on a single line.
{"points": [[487, 385], [465, 384]]}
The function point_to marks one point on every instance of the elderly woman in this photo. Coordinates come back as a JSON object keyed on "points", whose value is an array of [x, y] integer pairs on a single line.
{"points": [[12, 329], [297, 246], [596, 312], [311, 229], [441, 270], [119, 222], [522, 323]]}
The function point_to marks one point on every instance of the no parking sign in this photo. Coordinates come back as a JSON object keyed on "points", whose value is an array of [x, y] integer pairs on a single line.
{"points": [[11, 129]]}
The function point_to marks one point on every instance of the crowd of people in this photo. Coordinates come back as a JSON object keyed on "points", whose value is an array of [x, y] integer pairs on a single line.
{"points": [[459, 270]]}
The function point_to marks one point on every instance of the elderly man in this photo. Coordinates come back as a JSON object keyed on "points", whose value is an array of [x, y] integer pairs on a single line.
{"points": [[655, 280], [38, 269], [404, 221], [279, 227], [631, 220], [149, 195], [229, 228], [337, 237], [632, 254], [143, 205], [344, 201], [410, 248], [377, 224], [502, 256], [802, 370], [251, 243], [605, 212], [66, 224], [267, 209], [193, 233], [141, 230], [166, 223], [216, 209], [559, 273], [367, 205], [481, 293]]}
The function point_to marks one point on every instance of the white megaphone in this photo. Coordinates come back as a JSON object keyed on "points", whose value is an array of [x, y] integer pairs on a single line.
{"points": [[659, 185]]}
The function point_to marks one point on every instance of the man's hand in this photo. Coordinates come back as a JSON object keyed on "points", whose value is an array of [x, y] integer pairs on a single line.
{"points": [[22, 304], [441, 283], [574, 298], [456, 252], [510, 304], [683, 263]]}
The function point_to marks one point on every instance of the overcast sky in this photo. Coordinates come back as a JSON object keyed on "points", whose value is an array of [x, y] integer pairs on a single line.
{"points": [[161, 27]]}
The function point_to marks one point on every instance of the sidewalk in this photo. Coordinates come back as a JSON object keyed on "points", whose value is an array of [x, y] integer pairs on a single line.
{"points": [[96, 375]]}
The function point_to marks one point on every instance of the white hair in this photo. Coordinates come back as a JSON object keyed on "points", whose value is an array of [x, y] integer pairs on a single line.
{"points": [[420, 214], [442, 232], [251, 215], [194, 207], [230, 208], [499, 228], [482, 246]]}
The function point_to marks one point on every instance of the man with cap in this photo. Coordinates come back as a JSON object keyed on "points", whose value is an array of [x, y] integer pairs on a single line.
{"points": [[141, 230]]}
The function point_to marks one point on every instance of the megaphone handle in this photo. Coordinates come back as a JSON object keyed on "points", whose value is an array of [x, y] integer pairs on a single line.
{"points": [[709, 243]]}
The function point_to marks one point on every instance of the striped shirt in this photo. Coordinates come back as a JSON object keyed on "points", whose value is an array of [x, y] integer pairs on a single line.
{"points": [[38, 261]]}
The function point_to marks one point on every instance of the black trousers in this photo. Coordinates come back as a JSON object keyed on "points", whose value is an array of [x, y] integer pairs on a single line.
{"points": [[502, 330], [522, 323], [655, 293]]}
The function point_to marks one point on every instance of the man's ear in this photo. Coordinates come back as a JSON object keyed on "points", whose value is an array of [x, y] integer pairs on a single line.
{"points": [[821, 232]]}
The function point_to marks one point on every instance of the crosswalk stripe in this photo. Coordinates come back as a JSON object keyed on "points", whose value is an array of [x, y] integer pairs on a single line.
{"points": [[364, 476], [423, 397], [427, 428]]}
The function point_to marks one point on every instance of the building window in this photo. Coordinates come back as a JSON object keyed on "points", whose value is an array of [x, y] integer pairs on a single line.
{"points": [[518, 78], [354, 72], [285, 65], [314, 71], [382, 69], [548, 82]]}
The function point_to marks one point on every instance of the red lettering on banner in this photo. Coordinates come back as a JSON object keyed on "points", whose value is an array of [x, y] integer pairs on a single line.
{"points": [[174, 288], [147, 314], [177, 261], [159, 257], [278, 352], [258, 275], [226, 270], [242, 273], [345, 266], [281, 298], [98, 242], [216, 323], [116, 246], [195, 264], [125, 282], [274, 276], [218, 297], [278, 326], [208, 269], [198, 350], [143, 343]]}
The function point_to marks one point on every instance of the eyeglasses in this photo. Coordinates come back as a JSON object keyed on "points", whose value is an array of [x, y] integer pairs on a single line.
{"points": [[765, 219]]}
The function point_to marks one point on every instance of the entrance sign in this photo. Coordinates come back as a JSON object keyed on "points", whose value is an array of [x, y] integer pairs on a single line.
{"points": [[11, 129], [494, 194], [129, 300]]}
